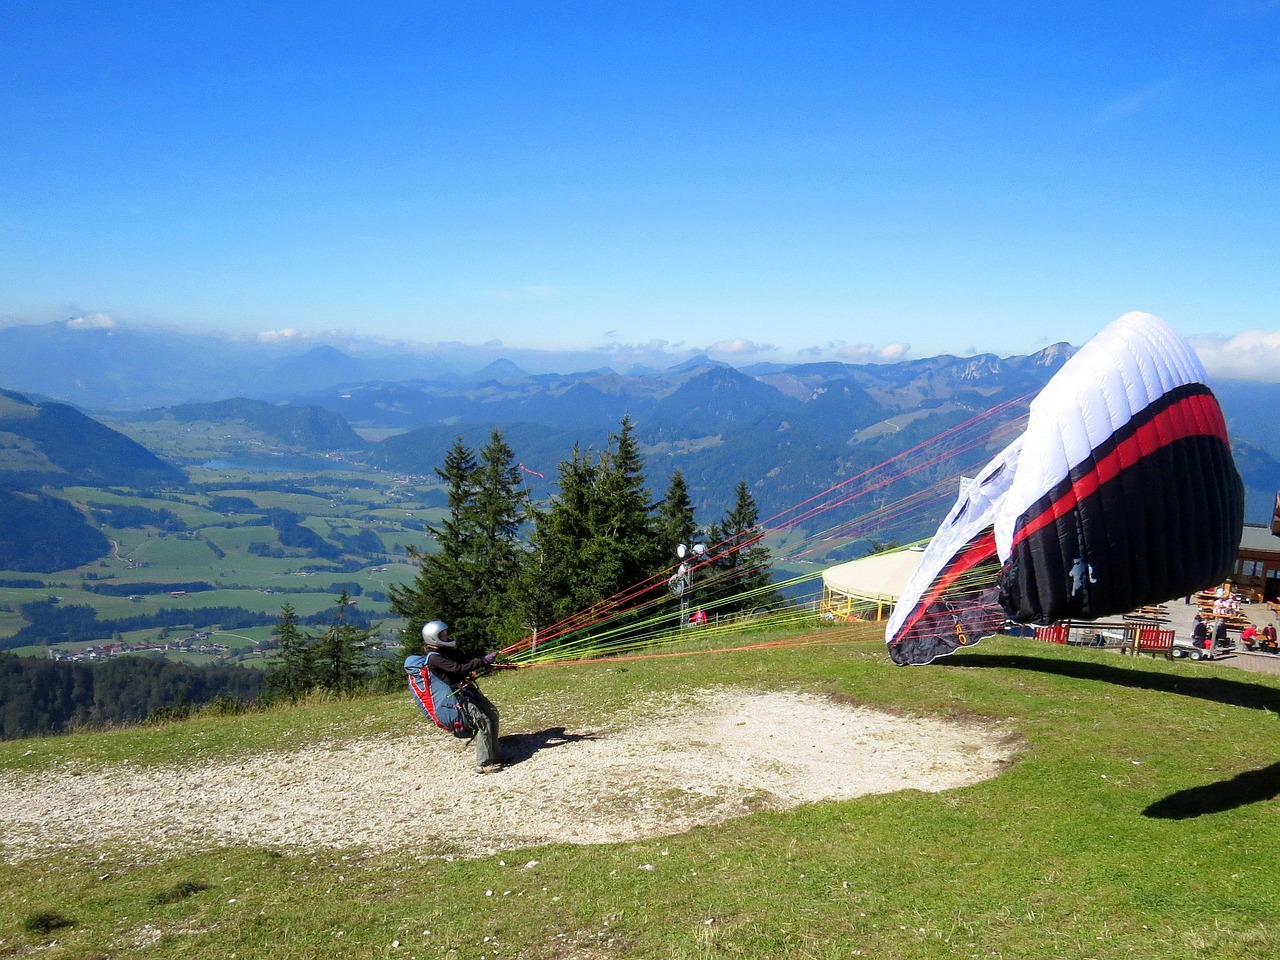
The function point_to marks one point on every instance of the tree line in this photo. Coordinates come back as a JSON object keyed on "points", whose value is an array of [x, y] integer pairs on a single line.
{"points": [[50, 622], [338, 660], [505, 567], [44, 534], [39, 697]]}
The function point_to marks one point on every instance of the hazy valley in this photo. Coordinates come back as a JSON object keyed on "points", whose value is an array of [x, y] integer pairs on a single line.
{"points": [[162, 523]]}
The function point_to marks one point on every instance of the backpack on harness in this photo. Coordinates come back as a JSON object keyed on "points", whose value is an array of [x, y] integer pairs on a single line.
{"points": [[439, 701]]}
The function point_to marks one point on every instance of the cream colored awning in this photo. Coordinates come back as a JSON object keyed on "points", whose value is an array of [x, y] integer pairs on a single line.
{"points": [[879, 578]]}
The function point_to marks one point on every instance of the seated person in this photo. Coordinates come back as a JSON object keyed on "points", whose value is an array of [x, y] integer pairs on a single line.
{"points": [[1199, 632], [1268, 641], [1220, 633], [1248, 636]]}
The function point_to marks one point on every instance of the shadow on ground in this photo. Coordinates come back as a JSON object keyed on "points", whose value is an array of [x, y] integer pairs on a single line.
{"points": [[519, 747], [1252, 786], [1234, 693]]}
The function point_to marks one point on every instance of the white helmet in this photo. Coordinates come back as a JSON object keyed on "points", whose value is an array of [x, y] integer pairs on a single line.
{"points": [[436, 634]]}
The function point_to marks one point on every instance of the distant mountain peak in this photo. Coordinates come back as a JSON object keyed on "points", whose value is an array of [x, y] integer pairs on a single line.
{"points": [[327, 352], [697, 362], [981, 367], [500, 369], [1053, 355]]}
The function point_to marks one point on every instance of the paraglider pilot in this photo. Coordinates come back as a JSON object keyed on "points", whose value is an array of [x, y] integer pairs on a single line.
{"points": [[446, 691]]}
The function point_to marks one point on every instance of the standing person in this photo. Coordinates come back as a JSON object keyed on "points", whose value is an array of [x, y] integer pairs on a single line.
{"points": [[1220, 633], [446, 691]]}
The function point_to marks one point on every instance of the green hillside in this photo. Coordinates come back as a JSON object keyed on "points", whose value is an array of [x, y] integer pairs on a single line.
{"points": [[295, 427], [250, 541], [1136, 820], [44, 534], [55, 444]]}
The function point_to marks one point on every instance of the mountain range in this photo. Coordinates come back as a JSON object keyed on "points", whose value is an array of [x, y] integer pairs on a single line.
{"points": [[788, 430]]}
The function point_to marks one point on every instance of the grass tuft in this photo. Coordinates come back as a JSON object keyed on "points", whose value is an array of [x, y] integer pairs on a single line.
{"points": [[179, 891], [46, 921]]}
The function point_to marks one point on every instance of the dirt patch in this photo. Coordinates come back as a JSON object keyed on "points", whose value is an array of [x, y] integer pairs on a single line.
{"points": [[717, 755]]}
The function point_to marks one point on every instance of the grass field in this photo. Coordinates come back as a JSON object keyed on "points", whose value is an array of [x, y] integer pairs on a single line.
{"points": [[215, 548], [1139, 820]]}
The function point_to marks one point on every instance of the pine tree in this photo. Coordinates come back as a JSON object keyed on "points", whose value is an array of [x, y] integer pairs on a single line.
{"points": [[557, 580], [468, 580], [500, 507], [293, 669], [596, 541], [675, 523], [741, 577], [438, 591], [624, 532], [341, 658]]}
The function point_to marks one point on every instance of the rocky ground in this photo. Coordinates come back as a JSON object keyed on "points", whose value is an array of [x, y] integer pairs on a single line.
{"points": [[698, 759]]}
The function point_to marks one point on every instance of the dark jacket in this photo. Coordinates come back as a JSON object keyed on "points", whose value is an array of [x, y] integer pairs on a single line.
{"points": [[451, 671]]}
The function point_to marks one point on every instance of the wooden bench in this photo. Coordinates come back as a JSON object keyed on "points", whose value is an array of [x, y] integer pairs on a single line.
{"points": [[1087, 633], [1151, 640]]}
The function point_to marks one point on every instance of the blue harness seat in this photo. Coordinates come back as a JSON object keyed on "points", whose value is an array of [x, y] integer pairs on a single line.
{"points": [[436, 698]]}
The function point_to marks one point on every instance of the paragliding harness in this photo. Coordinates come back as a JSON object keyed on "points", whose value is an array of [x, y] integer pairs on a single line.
{"points": [[448, 707]]}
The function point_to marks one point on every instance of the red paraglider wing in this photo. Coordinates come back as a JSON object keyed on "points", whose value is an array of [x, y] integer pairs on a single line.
{"points": [[1122, 491]]}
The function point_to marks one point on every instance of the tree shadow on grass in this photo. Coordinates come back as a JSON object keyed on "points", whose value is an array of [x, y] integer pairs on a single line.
{"points": [[1252, 786], [519, 747], [1241, 790], [1233, 693]]}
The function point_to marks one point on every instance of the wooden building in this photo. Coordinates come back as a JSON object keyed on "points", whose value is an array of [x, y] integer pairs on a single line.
{"points": [[1258, 561]]}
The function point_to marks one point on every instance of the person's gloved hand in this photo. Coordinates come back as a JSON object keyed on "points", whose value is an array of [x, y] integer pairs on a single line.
{"points": [[490, 657]]}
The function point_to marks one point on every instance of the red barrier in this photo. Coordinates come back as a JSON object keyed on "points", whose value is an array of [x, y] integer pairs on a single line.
{"points": [[1054, 633]]}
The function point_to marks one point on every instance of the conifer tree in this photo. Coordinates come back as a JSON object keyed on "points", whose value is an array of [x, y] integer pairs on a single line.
{"points": [[438, 590], [293, 669], [741, 577], [341, 658], [675, 523], [625, 539], [500, 507], [468, 580], [597, 539], [557, 579]]}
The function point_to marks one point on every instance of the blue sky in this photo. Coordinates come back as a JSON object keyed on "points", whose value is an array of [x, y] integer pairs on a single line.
{"points": [[763, 180]]}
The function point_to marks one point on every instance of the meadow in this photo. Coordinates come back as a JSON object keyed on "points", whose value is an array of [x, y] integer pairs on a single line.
{"points": [[218, 547], [1137, 820]]}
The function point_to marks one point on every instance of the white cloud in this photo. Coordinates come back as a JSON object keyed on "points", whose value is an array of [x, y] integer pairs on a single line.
{"points": [[277, 336], [867, 353], [740, 347], [656, 353], [92, 321], [1249, 355]]}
